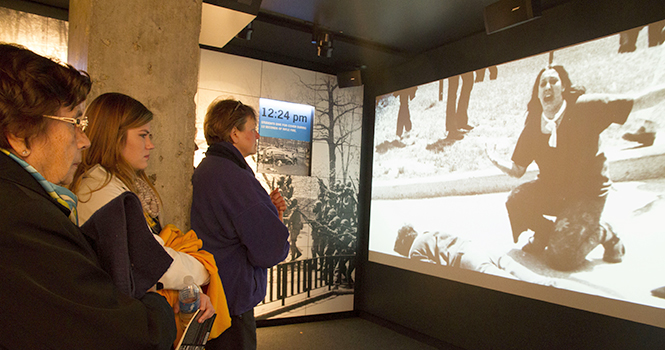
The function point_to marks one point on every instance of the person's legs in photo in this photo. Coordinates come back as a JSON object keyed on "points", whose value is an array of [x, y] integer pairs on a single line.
{"points": [[451, 110], [463, 103], [578, 230], [527, 204]]}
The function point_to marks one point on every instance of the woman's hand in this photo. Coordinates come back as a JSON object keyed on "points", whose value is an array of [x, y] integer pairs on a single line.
{"points": [[491, 154], [279, 202], [511, 169], [207, 310]]}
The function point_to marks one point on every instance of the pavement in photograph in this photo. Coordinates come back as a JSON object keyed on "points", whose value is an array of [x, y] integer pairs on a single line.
{"points": [[635, 208]]}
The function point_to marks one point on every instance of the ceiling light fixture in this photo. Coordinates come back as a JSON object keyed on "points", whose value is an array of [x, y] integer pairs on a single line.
{"points": [[323, 41]]}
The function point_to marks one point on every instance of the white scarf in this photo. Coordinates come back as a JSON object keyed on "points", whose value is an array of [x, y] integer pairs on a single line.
{"points": [[551, 124]]}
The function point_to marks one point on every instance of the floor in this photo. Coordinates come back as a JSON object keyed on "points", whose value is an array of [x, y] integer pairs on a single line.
{"points": [[347, 333]]}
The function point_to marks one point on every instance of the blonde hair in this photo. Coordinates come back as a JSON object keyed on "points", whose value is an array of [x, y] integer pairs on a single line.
{"points": [[222, 116], [110, 116]]}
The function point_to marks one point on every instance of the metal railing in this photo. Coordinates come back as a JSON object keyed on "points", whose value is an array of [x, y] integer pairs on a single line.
{"points": [[302, 276]]}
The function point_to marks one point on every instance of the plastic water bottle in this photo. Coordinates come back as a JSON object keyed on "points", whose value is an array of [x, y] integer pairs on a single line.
{"points": [[189, 299]]}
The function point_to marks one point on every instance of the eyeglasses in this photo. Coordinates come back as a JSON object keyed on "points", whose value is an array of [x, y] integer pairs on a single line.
{"points": [[81, 124], [238, 105]]}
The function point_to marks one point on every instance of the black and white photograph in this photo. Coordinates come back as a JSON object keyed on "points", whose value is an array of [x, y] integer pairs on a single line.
{"points": [[318, 275], [548, 170], [322, 210], [283, 156]]}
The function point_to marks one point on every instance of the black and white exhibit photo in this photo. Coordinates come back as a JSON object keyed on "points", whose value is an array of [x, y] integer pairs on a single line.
{"points": [[542, 177]]}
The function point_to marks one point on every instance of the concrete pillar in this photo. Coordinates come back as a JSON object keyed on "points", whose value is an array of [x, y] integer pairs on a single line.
{"points": [[147, 49]]}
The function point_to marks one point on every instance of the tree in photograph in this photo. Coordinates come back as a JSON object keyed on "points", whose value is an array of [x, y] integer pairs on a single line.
{"points": [[337, 118]]}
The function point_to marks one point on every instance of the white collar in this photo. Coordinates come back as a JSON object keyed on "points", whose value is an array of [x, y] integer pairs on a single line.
{"points": [[557, 116], [552, 125]]}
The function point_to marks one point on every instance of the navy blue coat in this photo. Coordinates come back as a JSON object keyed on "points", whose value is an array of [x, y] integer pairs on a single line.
{"points": [[234, 216]]}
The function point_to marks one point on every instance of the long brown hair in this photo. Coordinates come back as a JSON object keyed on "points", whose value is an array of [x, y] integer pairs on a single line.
{"points": [[109, 117], [570, 91]]}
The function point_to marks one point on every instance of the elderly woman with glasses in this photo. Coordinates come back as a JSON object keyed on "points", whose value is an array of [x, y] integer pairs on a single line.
{"points": [[55, 293]]}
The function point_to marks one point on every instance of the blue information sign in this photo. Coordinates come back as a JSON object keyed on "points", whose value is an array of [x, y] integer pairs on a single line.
{"points": [[285, 120]]}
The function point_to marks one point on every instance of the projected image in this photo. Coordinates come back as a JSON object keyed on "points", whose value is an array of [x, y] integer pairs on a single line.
{"points": [[548, 170]]}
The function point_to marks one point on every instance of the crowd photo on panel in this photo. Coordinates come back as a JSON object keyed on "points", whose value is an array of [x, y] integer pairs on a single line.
{"points": [[83, 236]]}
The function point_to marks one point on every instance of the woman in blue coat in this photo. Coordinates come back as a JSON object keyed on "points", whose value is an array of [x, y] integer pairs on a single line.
{"points": [[238, 221]]}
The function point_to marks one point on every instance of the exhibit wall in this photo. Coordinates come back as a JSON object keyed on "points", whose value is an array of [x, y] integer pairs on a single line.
{"points": [[438, 122], [318, 275], [43, 35]]}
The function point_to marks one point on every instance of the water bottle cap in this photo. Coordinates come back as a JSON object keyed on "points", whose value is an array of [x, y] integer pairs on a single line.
{"points": [[188, 280]]}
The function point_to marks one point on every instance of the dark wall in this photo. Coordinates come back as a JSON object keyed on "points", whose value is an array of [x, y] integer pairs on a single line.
{"points": [[468, 316]]}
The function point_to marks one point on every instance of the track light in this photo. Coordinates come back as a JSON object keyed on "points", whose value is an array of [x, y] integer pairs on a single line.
{"points": [[324, 43], [246, 33], [321, 51]]}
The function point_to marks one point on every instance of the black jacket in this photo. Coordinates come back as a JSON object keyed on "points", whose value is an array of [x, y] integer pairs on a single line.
{"points": [[53, 292]]}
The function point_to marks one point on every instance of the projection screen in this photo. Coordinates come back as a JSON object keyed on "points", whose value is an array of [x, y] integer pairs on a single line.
{"points": [[601, 189]]}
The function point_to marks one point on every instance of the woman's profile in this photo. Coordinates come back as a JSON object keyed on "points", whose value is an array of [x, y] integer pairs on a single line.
{"points": [[115, 163], [55, 292]]}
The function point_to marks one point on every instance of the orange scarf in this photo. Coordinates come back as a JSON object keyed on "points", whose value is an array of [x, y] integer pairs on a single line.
{"points": [[189, 243]]}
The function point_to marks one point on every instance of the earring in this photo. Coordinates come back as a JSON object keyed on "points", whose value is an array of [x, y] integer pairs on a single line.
{"points": [[25, 152]]}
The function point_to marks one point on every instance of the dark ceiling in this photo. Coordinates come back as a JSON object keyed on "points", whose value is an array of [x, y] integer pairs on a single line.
{"points": [[366, 34]]}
